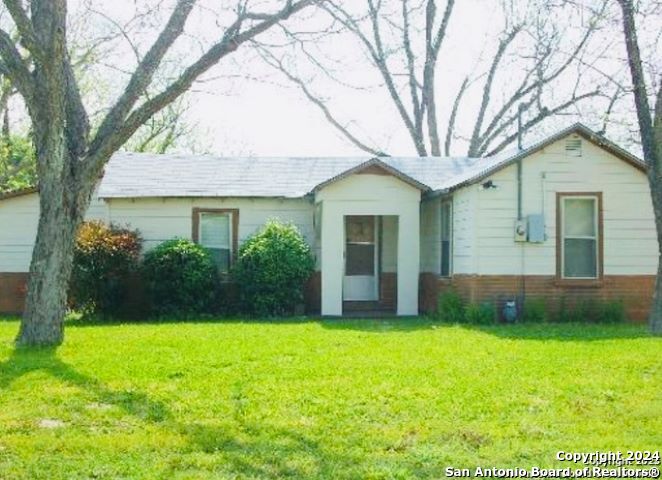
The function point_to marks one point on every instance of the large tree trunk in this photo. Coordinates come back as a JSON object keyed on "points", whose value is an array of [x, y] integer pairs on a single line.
{"points": [[655, 316], [61, 212], [655, 182]]}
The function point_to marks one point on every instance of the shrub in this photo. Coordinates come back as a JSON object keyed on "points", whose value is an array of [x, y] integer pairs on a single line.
{"points": [[535, 310], [612, 311], [480, 314], [590, 310], [450, 307], [104, 258], [181, 278], [271, 270]]}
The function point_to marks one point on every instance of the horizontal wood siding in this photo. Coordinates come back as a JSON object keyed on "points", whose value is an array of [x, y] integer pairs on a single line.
{"points": [[19, 217], [630, 242], [162, 219]]}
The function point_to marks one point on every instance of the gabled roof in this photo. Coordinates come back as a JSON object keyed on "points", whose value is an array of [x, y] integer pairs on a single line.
{"points": [[368, 166], [134, 175], [502, 160]]}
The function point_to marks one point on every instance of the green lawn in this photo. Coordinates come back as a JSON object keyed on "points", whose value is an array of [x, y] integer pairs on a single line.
{"points": [[331, 399]]}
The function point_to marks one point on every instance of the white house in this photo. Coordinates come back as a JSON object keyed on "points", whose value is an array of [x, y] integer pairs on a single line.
{"points": [[570, 216]]}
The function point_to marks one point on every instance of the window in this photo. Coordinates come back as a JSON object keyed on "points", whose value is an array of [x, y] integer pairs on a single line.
{"points": [[580, 236], [360, 248], [216, 231], [446, 237]]}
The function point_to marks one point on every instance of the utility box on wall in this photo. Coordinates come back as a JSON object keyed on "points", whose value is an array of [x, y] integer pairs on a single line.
{"points": [[520, 230], [536, 228]]}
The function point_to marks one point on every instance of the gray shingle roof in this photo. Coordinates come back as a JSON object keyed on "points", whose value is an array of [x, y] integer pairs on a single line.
{"points": [[132, 175], [153, 175]]}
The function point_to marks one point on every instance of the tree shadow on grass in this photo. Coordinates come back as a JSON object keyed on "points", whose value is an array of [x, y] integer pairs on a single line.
{"points": [[380, 325], [25, 360], [96, 321], [563, 332], [266, 451], [252, 450]]}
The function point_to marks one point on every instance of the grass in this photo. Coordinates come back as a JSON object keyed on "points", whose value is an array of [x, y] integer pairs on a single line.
{"points": [[331, 399]]}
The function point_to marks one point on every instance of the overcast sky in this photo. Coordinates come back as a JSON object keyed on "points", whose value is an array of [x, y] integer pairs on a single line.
{"points": [[245, 107]]}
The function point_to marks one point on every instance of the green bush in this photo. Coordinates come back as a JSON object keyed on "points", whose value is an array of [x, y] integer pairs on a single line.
{"points": [[181, 278], [480, 314], [590, 310], [450, 307], [271, 270], [612, 311], [535, 310], [18, 167], [104, 258]]}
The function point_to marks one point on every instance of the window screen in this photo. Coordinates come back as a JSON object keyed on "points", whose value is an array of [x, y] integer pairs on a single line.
{"points": [[580, 237], [216, 235], [360, 233]]}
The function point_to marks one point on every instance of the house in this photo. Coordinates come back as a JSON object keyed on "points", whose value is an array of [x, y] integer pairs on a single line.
{"points": [[568, 217]]}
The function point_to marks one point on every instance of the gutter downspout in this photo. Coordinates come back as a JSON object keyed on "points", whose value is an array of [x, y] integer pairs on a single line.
{"points": [[522, 292]]}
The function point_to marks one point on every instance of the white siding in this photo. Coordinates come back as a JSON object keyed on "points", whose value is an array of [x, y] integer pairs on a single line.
{"points": [[368, 194], [431, 235], [630, 244], [389, 251], [464, 230], [160, 219], [19, 217]]}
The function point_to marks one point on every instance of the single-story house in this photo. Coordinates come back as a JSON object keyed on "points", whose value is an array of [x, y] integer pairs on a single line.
{"points": [[569, 216]]}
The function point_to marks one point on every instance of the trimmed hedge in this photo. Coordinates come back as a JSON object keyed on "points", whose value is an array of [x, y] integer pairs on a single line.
{"points": [[181, 278], [271, 270]]}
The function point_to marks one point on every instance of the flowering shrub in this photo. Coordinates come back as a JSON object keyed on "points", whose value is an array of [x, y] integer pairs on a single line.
{"points": [[104, 257]]}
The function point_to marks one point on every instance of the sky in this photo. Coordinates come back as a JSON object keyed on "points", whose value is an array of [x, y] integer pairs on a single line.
{"points": [[244, 107]]}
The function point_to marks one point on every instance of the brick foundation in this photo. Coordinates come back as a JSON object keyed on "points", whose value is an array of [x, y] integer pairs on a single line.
{"points": [[388, 291], [636, 291], [312, 294], [13, 288]]}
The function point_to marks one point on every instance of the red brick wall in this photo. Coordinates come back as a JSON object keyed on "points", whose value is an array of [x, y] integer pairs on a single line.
{"points": [[388, 290], [312, 294], [13, 287], [635, 290]]}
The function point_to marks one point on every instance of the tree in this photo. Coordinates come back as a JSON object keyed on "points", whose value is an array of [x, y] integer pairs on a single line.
{"points": [[403, 41], [17, 163], [169, 130], [650, 126], [70, 156]]}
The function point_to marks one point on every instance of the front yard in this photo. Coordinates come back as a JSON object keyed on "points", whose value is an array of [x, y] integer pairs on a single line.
{"points": [[330, 399]]}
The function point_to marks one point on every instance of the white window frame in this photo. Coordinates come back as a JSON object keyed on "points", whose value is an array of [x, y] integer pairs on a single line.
{"points": [[596, 238]]}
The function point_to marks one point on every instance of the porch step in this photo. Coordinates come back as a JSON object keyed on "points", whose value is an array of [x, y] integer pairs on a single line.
{"points": [[366, 309]]}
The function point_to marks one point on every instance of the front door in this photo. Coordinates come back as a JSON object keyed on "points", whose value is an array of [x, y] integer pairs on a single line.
{"points": [[360, 279]]}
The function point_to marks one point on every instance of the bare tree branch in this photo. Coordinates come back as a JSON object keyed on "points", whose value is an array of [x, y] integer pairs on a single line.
{"points": [[17, 68], [542, 115], [25, 28], [319, 103], [453, 116], [432, 47], [231, 40], [144, 73]]}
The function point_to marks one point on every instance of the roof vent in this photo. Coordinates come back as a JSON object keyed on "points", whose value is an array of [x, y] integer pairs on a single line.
{"points": [[573, 146]]}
